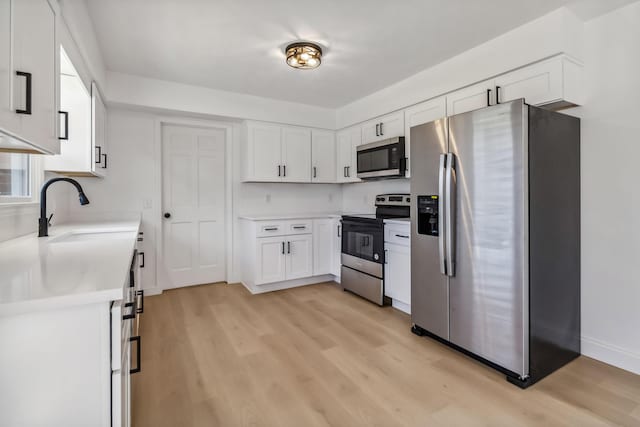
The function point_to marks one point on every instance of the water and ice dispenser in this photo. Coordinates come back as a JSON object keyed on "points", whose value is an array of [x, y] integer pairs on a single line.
{"points": [[428, 215]]}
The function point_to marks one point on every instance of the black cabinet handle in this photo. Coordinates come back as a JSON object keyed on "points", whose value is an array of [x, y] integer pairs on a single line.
{"points": [[338, 229], [381, 132], [279, 170], [104, 156], [488, 97], [284, 170], [288, 247], [141, 254], [282, 248], [140, 308], [66, 126], [133, 311], [344, 171], [137, 368], [377, 129], [348, 171], [315, 172], [498, 95], [402, 236], [29, 94], [99, 154], [271, 229], [299, 227]]}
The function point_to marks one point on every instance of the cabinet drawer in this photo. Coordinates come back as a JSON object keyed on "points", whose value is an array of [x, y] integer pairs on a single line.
{"points": [[301, 226], [271, 228], [397, 234]]}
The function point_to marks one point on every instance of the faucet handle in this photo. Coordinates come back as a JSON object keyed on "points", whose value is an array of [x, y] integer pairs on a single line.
{"points": [[49, 219]]}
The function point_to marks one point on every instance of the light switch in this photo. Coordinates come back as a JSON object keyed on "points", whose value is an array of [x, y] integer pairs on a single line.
{"points": [[147, 203]]}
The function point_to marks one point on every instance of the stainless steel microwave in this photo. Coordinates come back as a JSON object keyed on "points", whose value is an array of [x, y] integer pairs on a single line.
{"points": [[382, 159]]}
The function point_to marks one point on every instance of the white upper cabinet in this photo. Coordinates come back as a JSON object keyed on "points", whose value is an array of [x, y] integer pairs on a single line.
{"points": [[323, 156], [384, 127], [347, 140], [99, 148], [29, 71], [275, 153], [296, 154], [422, 113], [262, 152], [471, 98], [554, 81]]}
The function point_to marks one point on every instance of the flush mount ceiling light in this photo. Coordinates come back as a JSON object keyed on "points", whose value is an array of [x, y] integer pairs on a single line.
{"points": [[304, 55]]}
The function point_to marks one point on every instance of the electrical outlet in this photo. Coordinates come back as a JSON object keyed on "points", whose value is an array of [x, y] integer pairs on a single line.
{"points": [[267, 198], [147, 204], [330, 198]]}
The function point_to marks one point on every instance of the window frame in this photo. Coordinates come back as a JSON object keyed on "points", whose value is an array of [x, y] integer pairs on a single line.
{"points": [[36, 178]]}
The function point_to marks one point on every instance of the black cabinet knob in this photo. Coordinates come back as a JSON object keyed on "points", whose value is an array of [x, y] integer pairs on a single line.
{"points": [[167, 215]]}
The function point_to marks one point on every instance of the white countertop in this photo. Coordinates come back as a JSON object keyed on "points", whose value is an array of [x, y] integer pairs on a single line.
{"points": [[79, 263], [294, 216], [403, 221]]}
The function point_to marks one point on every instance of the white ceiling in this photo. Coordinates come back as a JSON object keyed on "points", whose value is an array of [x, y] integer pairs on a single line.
{"points": [[236, 45]]}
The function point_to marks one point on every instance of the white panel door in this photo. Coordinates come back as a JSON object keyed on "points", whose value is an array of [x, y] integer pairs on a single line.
{"points": [[538, 83], [264, 152], [397, 272], [422, 113], [9, 120], [296, 154], [336, 247], [471, 98], [323, 156], [270, 260], [193, 178], [35, 51], [322, 246], [299, 256]]}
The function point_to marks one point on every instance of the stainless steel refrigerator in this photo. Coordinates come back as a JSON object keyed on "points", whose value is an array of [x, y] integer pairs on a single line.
{"points": [[495, 244]]}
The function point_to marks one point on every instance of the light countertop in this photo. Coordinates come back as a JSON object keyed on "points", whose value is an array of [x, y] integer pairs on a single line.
{"points": [[403, 221], [294, 216], [79, 263]]}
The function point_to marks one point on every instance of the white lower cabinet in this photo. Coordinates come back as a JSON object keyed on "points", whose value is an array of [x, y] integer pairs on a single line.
{"points": [[270, 259], [285, 257], [322, 246], [397, 268], [299, 256]]}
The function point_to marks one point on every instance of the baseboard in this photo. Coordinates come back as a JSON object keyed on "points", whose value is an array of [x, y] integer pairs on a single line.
{"points": [[611, 354], [152, 291], [278, 286]]}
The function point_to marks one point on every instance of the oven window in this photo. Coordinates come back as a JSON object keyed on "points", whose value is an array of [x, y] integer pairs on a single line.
{"points": [[373, 160], [362, 241]]}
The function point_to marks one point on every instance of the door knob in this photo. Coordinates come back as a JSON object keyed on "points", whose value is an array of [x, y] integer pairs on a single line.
{"points": [[167, 215]]}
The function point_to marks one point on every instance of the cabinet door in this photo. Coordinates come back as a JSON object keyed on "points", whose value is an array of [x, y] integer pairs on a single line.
{"points": [[538, 83], [384, 127], [296, 154], [323, 156], [270, 260], [35, 51], [263, 156], [322, 246], [422, 113], [336, 247], [9, 120], [347, 141], [397, 272], [471, 98], [99, 132], [299, 256]]}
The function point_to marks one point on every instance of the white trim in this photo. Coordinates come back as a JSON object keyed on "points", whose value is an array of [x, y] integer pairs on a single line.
{"points": [[228, 127], [277, 286], [611, 354]]}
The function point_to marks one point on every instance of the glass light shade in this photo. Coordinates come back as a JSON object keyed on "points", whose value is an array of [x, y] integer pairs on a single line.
{"points": [[304, 55]]}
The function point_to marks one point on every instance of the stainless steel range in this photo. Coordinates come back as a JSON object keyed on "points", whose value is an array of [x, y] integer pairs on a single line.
{"points": [[363, 247]]}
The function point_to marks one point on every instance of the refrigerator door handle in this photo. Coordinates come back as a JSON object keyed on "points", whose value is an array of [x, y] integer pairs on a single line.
{"points": [[450, 211], [441, 213]]}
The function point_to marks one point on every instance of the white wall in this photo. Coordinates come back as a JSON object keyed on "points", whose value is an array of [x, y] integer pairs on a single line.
{"points": [[610, 197], [135, 91], [557, 32]]}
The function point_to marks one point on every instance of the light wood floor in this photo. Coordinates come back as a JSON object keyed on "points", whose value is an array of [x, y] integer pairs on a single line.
{"points": [[215, 355]]}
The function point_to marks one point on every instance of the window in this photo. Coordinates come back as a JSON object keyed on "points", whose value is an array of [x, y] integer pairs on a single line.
{"points": [[15, 177]]}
